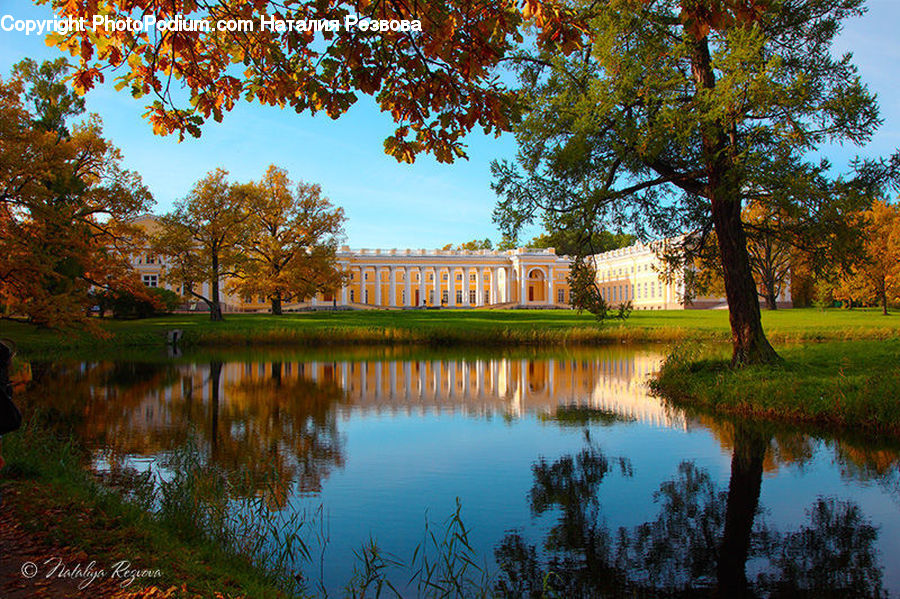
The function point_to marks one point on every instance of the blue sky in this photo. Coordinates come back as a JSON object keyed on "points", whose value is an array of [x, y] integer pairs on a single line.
{"points": [[423, 205]]}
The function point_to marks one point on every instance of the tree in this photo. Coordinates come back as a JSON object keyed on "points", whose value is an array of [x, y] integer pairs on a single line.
{"points": [[875, 278], [573, 242], [473, 245], [293, 236], [672, 116], [65, 203], [202, 237]]}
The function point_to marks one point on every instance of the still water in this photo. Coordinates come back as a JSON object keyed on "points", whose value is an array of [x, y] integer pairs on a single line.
{"points": [[567, 472]]}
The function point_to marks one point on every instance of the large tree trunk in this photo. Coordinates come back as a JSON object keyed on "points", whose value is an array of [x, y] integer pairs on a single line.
{"points": [[276, 304], [743, 499], [749, 343], [723, 191]]}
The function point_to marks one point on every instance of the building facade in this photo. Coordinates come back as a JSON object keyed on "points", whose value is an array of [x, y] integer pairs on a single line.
{"points": [[523, 277]]}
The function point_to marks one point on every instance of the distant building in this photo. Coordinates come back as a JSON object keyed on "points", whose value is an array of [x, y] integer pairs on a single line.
{"points": [[523, 277]]}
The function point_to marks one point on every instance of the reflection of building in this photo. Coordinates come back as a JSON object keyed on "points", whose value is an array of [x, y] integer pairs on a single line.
{"points": [[524, 277], [514, 386]]}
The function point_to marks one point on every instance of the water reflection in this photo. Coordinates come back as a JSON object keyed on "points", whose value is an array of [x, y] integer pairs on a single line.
{"points": [[146, 407], [699, 544], [424, 424]]}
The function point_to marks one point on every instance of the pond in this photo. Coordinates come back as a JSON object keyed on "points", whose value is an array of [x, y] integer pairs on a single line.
{"points": [[564, 471]]}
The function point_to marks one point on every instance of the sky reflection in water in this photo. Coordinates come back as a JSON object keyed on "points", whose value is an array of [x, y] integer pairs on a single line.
{"points": [[563, 464]]}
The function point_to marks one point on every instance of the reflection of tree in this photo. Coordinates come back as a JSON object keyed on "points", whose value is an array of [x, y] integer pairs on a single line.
{"points": [[283, 424], [581, 546], [679, 548], [271, 432], [698, 545], [743, 499], [832, 556]]}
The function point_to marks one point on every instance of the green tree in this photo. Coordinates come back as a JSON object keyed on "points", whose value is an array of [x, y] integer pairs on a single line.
{"points": [[202, 237], [673, 112], [474, 245], [293, 233], [573, 242]]}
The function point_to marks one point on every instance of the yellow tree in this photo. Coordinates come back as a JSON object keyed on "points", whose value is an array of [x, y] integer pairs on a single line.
{"points": [[293, 233], [200, 240], [877, 276]]}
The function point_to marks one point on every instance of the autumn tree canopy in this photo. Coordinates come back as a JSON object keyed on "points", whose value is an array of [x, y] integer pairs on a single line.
{"points": [[437, 84], [291, 239], [65, 202], [876, 277], [201, 238], [675, 112]]}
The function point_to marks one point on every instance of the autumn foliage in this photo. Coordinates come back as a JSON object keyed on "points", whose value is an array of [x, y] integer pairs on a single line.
{"points": [[65, 204], [437, 84], [875, 278]]}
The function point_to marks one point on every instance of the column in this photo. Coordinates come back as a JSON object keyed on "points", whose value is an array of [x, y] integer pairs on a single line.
{"points": [[479, 286], [507, 291], [523, 284], [407, 274], [494, 282], [550, 299], [392, 276], [422, 290], [377, 285], [451, 286], [344, 288]]}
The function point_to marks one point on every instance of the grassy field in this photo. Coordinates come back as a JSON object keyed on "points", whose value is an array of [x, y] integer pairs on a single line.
{"points": [[454, 327], [850, 386]]}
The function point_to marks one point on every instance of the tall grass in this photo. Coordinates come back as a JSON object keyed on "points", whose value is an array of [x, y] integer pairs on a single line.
{"points": [[443, 566], [170, 525]]}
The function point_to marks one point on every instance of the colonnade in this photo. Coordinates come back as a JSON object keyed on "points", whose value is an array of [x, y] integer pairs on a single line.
{"points": [[497, 289]]}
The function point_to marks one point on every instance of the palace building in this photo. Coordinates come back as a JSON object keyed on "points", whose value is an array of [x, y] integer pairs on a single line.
{"points": [[417, 278]]}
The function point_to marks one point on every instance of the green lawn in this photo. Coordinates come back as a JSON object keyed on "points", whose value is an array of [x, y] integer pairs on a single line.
{"points": [[455, 327], [852, 385]]}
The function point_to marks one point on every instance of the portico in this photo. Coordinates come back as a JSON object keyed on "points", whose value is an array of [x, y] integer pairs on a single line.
{"points": [[453, 278]]}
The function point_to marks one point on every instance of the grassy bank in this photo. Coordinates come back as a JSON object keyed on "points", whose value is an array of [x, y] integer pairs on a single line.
{"points": [[848, 385], [454, 327], [61, 509]]}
